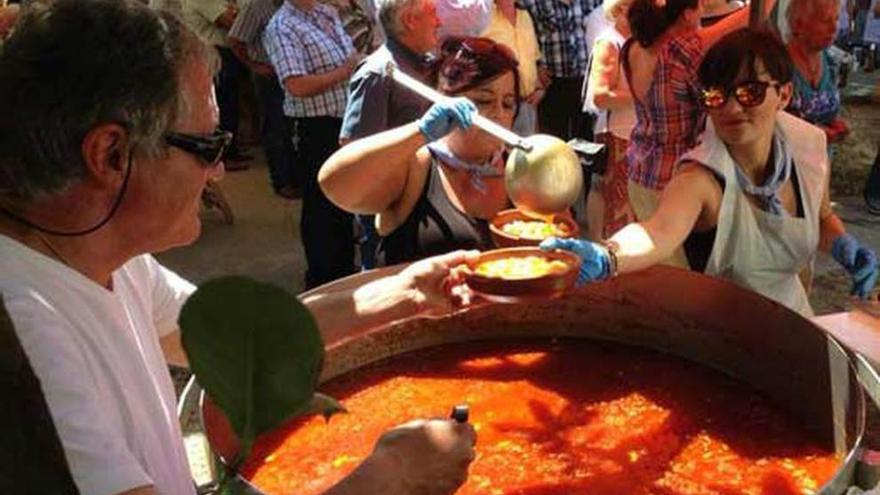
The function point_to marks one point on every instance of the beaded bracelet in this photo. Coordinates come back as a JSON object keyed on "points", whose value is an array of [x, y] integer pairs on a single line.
{"points": [[612, 247]]}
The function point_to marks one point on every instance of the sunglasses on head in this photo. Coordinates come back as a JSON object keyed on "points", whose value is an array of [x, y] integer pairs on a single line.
{"points": [[480, 47], [748, 94], [209, 148]]}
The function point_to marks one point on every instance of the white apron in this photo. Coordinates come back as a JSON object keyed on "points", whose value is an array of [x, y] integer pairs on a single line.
{"points": [[756, 249]]}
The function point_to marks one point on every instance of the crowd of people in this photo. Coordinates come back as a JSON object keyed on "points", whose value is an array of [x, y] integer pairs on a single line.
{"points": [[117, 115]]}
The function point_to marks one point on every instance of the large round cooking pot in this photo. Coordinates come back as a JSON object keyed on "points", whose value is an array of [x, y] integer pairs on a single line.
{"points": [[699, 318]]}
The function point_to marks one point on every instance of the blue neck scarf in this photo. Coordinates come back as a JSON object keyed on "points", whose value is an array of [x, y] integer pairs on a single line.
{"points": [[768, 193], [493, 167]]}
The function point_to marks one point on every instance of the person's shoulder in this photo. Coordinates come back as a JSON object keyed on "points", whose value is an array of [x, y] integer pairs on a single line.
{"points": [[687, 46], [797, 128], [610, 34], [39, 325], [807, 138], [142, 267], [374, 64]]}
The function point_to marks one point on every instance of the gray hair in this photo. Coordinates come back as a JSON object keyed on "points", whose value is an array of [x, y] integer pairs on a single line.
{"points": [[73, 65], [798, 9], [389, 12]]}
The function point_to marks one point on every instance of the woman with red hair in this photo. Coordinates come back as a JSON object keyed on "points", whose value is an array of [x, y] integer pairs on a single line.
{"points": [[435, 183]]}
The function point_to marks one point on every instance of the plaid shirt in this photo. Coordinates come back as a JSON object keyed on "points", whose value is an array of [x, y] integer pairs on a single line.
{"points": [[670, 119], [249, 26], [560, 26], [302, 43]]}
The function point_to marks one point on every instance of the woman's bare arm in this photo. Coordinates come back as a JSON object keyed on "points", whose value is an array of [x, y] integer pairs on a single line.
{"points": [[647, 243], [369, 175], [604, 83]]}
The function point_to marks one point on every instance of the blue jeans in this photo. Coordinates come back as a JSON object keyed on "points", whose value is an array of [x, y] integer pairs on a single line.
{"points": [[276, 135]]}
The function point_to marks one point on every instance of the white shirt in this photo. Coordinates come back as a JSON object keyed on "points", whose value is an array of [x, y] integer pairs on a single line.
{"points": [[622, 119], [102, 371]]}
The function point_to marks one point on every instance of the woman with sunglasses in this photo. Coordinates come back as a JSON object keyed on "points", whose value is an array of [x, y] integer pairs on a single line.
{"points": [[436, 182], [750, 203], [660, 63]]}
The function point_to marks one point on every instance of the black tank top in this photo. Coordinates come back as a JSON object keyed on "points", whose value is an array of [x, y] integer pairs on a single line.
{"points": [[435, 226], [698, 245]]}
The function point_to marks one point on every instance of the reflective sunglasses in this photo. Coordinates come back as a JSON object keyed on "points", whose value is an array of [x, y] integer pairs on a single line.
{"points": [[748, 94], [209, 148]]}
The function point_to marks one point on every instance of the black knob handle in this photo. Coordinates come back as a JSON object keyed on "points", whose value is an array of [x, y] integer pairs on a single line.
{"points": [[460, 413]]}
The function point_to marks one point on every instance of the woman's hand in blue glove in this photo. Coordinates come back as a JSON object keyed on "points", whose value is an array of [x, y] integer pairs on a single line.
{"points": [[443, 117], [595, 261], [859, 261]]}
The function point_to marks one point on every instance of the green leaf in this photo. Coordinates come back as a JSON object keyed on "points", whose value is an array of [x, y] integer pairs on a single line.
{"points": [[256, 350]]}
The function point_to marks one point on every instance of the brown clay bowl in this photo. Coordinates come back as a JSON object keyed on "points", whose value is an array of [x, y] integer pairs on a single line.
{"points": [[519, 289], [504, 240]]}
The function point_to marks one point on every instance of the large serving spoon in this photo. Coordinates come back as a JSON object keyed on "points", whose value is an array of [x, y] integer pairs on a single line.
{"points": [[543, 174]]}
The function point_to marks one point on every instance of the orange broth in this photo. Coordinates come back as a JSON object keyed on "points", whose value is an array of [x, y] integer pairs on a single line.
{"points": [[559, 417]]}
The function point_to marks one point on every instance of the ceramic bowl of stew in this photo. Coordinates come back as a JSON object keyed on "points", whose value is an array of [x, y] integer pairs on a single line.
{"points": [[514, 274], [513, 228]]}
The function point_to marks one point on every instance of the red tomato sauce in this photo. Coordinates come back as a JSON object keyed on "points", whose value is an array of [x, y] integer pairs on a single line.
{"points": [[562, 417]]}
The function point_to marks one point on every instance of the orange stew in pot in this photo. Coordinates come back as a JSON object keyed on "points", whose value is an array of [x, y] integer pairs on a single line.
{"points": [[562, 417]]}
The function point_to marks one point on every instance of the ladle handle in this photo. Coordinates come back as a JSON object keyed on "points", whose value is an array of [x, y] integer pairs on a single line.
{"points": [[509, 137]]}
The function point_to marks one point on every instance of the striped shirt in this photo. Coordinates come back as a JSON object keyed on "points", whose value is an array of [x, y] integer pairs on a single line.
{"points": [[670, 119], [560, 26], [249, 26], [302, 43]]}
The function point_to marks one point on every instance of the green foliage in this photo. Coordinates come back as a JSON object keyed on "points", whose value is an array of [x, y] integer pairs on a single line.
{"points": [[256, 350]]}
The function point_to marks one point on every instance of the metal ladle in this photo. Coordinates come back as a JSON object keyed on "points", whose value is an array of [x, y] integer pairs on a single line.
{"points": [[543, 174]]}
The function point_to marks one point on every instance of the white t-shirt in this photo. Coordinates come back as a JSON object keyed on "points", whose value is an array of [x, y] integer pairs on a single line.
{"points": [[102, 371]]}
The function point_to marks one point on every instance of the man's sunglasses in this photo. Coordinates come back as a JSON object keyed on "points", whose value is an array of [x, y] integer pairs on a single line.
{"points": [[209, 148], [748, 94]]}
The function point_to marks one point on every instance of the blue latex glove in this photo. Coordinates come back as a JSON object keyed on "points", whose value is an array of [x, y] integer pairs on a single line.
{"points": [[443, 117], [595, 263], [859, 261]]}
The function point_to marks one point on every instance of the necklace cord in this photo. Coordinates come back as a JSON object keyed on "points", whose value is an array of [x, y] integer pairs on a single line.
{"points": [[77, 233]]}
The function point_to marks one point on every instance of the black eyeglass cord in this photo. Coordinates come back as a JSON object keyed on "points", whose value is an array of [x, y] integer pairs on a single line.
{"points": [[77, 233]]}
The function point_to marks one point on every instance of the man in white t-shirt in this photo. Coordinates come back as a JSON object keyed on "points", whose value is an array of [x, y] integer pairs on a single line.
{"points": [[105, 150]]}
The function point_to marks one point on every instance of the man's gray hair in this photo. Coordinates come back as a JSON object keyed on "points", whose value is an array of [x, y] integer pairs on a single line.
{"points": [[389, 12], [73, 65]]}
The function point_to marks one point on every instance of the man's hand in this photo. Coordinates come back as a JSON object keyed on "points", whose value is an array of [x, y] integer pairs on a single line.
{"points": [[436, 282], [427, 457], [347, 68]]}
